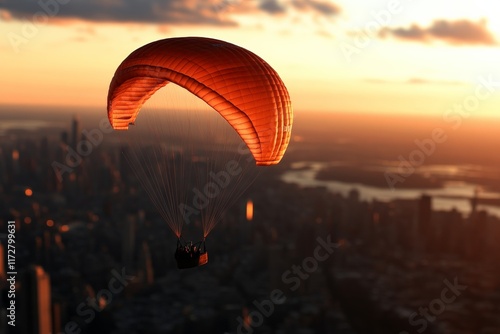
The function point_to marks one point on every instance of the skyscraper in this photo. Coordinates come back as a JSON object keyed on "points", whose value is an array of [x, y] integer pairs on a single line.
{"points": [[2, 265], [64, 138], [75, 132], [128, 241], [425, 229], [125, 168], [35, 315], [146, 265]]}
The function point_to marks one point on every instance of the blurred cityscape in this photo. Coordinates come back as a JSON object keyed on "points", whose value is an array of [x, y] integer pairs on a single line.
{"points": [[92, 255]]}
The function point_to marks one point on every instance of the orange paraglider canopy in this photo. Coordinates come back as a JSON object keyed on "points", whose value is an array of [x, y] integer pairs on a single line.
{"points": [[238, 84]]}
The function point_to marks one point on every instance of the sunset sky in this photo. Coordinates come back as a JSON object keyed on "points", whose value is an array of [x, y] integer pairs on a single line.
{"points": [[384, 56]]}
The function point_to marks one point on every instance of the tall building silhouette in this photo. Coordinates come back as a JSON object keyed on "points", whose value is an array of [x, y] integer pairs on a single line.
{"points": [[146, 265], [279, 260], [56, 317], [128, 241], [4, 171], [3, 320], [477, 235], [424, 221], [46, 182], [44, 154], [64, 138], [35, 315], [15, 162], [2, 265], [125, 168], [473, 203], [75, 132]]}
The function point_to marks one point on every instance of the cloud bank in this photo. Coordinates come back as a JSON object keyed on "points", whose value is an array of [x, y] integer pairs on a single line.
{"points": [[175, 12], [459, 32]]}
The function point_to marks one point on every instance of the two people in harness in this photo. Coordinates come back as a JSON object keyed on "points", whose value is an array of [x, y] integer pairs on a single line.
{"points": [[189, 255]]}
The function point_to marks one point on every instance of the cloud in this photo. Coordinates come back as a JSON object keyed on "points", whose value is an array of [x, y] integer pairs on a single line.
{"points": [[318, 7], [272, 7], [415, 81], [419, 81], [5, 15], [174, 12], [459, 32], [190, 12]]}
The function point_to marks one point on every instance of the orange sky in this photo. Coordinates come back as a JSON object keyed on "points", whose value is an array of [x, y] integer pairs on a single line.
{"points": [[376, 56]]}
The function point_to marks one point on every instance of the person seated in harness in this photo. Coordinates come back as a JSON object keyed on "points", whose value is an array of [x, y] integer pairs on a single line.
{"points": [[189, 255]]}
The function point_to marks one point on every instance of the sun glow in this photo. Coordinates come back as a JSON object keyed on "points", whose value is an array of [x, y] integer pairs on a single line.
{"points": [[70, 62]]}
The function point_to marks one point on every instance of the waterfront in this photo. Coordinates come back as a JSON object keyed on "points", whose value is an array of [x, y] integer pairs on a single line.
{"points": [[455, 194]]}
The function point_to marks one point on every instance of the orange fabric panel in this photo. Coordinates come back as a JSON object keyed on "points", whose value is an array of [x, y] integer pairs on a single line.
{"points": [[238, 84]]}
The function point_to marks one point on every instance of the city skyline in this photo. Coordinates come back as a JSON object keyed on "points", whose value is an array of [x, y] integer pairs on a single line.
{"points": [[93, 240]]}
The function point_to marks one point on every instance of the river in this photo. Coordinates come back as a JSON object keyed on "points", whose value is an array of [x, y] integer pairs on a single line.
{"points": [[304, 174]]}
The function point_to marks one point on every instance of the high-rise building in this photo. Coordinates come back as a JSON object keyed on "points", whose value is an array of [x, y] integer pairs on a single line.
{"points": [[146, 265], [2, 265], [279, 261], [4, 172], [35, 309], [47, 174], [46, 249], [128, 241], [477, 235], [15, 162], [59, 314], [425, 229], [44, 151], [64, 138], [75, 132], [125, 167], [3, 320]]}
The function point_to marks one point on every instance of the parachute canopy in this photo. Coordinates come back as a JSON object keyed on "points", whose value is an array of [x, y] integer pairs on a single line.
{"points": [[238, 84]]}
